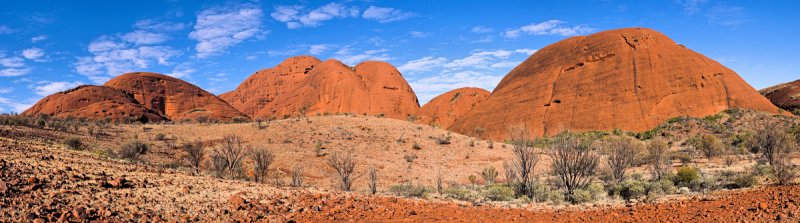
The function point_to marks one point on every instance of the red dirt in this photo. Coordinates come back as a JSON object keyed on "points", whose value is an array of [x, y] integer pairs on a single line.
{"points": [[303, 84], [632, 79], [173, 98], [785, 96], [444, 109], [92, 101]]}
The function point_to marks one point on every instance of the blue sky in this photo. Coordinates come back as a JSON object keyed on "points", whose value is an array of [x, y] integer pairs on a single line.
{"points": [[49, 46]]}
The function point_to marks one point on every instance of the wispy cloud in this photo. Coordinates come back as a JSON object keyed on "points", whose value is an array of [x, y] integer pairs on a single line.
{"points": [[691, 6], [219, 28], [14, 105], [423, 64], [38, 38], [48, 88], [5, 30], [418, 34], [6, 90], [13, 66], [141, 37], [114, 56], [385, 14], [295, 16], [349, 56], [35, 54], [481, 29], [725, 15], [550, 27], [432, 86]]}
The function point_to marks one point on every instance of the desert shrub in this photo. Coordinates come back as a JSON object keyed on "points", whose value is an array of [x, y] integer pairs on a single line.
{"points": [[73, 142], [319, 149], [161, 136], [687, 177], [498, 192], [684, 157], [777, 147], [459, 193], [543, 193], [416, 146], [409, 158], [592, 192], [372, 173], [195, 151], [439, 182], [621, 153], [573, 162], [479, 132], [663, 186], [262, 158], [657, 157], [526, 156], [297, 176], [630, 189], [232, 151], [444, 139], [408, 190], [344, 165], [238, 119], [744, 180], [710, 146], [132, 150], [761, 170], [489, 175]]}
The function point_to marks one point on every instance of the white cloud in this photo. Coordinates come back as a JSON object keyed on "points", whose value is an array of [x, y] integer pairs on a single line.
{"points": [[38, 38], [691, 6], [34, 54], [505, 64], [432, 86], [5, 30], [479, 59], [141, 37], [12, 61], [481, 29], [158, 26], [251, 57], [14, 72], [526, 51], [220, 28], [6, 90], [14, 105], [112, 57], [384, 15], [54, 87], [422, 64], [418, 34], [550, 27], [295, 17], [347, 56], [725, 15], [182, 70], [318, 49]]}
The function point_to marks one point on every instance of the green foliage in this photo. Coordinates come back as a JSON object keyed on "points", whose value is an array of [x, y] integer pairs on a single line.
{"points": [[687, 177], [713, 118], [458, 193], [591, 193], [629, 189], [73, 142], [498, 192], [408, 190], [544, 193]]}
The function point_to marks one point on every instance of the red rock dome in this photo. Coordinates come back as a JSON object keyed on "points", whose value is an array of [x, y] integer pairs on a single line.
{"points": [[444, 109], [93, 102]]}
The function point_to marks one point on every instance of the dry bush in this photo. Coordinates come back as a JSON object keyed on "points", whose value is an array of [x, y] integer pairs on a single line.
{"points": [[489, 175], [195, 151], [343, 164], [710, 146], [439, 182], [621, 152], [510, 174], [410, 157], [297, 176], [73, 142], [777, 147], [658, 158], [373, 179], [573, 162], [525, 159], [132, 150], [231, 153], [262, 158]]}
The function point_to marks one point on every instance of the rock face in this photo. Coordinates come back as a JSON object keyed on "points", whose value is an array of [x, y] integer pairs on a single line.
{"points": [[93, 102], [444, 109], [306, 85], [143, 96], [632, 79], [785, 96], [173, 98]]}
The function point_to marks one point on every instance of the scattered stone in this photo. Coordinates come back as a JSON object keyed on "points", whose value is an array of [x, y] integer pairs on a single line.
{"points": [[185, 189], [236, 201]]}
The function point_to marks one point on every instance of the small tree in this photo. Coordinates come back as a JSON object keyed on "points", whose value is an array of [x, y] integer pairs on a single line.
{"points": [[439, 182], [777, 146], [510, 174], [132, 150], [232, 152], [573, 162], [373, 180], [343, 164], [262, 158], [195, 151], [73, 142], [410, 157], [297, 176], [489, 175], [621, 152], [658, 158], [525, 159], [711, 146]]}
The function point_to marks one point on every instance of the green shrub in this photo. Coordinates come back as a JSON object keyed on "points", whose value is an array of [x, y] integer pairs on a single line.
{"points": [[544, 193], [462, 194], [408, 190], [687, 176], [745, 180], [498, 192], [73, 142], [591, 193], [629, 189]]}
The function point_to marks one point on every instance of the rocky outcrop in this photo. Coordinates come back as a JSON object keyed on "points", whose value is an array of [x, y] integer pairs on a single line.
{"points": [[785, 96], [93, 102], [174, 98], [444, 109], [304, 85], [632, 79]]}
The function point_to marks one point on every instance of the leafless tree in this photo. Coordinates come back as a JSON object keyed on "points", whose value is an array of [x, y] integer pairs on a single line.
{"points": [[778, 147], [510, 174], [621, 152], [262, 158], [343, 164], [526, 156], [297, 176], [658, 158], [573, 162], [195, 151], [373, 180], [232, 153]]}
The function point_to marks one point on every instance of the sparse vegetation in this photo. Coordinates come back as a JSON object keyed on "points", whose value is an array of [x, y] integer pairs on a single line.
{"points": [[195, 151], [373, 179], [262, 158], [408, 190], [132, 150], [657, 158], [711, 146], [621, 153], [777, 147], [573, 162], [526, 157], [230, 155], [444, 139], [489, 175], [297, 176], [73, 142], [343, 164]]}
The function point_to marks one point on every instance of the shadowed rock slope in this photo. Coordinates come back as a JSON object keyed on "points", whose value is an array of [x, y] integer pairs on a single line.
{"points": [[93, 102], [305, 85], [444, 109], [632, 79], [785, 96]]}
